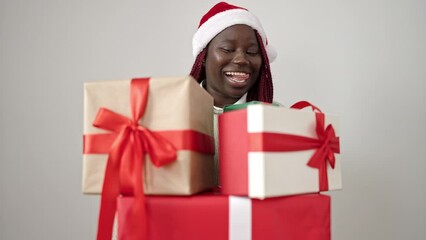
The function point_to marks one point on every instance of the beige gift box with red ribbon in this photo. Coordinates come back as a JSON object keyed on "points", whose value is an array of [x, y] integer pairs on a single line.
{"points": [[175, 107]]}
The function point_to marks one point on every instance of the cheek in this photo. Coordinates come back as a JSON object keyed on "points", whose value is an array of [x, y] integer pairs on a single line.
{"points": [[217, 58], [214, 63]]}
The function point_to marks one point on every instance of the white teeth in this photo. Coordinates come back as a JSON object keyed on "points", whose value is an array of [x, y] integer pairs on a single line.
{"points": [[238, 77], [236, 73]]}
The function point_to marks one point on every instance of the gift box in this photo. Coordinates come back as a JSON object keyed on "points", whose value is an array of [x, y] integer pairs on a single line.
{"points": [[219, 217], [174, 112], [267, 151]]}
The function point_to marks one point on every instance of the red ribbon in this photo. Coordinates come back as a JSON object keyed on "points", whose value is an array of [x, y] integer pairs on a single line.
{"points": [[326, 144], [126, 147], [181, 139]]}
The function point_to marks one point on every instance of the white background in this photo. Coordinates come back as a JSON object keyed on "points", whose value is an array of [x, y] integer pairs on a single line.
{"points": [[362, 60]]}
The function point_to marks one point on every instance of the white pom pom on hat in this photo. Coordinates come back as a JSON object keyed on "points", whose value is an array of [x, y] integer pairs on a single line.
{"points": [[221, 16]]}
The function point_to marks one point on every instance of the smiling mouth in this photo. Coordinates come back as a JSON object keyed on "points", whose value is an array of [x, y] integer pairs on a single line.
{"points": [[238, 77]]}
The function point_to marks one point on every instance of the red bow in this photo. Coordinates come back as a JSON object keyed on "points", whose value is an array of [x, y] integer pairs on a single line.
{"points": [[123, 175], [325, 153]]}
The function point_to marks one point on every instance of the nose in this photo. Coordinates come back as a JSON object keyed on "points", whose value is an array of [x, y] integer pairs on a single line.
{"points": [[240, 58]]}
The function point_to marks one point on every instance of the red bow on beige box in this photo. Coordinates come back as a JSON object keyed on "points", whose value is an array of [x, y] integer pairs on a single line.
{"points": [[123, 174], [329, 144]]}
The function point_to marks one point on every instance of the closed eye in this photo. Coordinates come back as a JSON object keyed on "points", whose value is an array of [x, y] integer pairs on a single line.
{"points": [[226, 50], [253, 52]]}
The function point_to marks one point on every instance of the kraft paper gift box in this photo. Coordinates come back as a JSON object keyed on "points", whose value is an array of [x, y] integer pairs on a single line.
{"points": [[177, 109], [267, 151], [220, 217]]}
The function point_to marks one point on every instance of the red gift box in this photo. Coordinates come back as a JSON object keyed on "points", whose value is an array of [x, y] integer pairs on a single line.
{"points": [[220, 217]]}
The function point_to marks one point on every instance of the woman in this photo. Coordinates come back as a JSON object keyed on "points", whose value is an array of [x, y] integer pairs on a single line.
{"points": [[229, 44], [232, 58]]}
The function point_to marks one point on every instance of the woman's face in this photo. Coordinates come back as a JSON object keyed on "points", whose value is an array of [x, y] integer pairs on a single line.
{"points": [[232, 64]]}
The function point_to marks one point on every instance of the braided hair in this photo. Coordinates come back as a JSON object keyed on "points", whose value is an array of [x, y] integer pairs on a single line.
{"points": [[262, 90]]}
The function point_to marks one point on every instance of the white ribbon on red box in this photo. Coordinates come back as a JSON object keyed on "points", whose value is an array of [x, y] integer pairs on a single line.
{"points": [[239, 218]]}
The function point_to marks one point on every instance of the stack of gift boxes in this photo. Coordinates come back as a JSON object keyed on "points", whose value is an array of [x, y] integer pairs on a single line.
{"points": [[149, 147]]}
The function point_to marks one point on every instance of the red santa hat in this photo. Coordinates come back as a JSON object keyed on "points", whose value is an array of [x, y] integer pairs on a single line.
{"points": [[221, 16]]}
